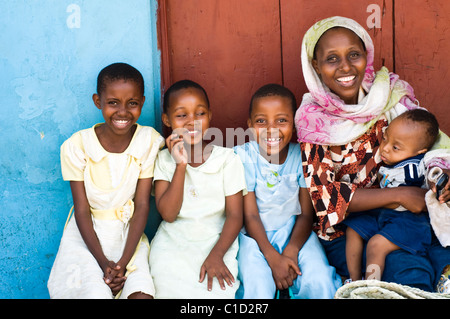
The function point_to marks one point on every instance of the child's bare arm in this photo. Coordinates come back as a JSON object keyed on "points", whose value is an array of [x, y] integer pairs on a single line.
{"points": [[255, 227], [169, 195], [280, 265], [138, 221], [214, 265], [84, 222], [303, 225], [300, 232]]}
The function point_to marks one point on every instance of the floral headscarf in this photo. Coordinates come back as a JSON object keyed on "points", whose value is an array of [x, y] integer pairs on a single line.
{"points": [[324, 118]]}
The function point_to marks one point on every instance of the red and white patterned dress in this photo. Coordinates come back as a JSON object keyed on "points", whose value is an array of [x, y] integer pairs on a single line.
{"points": [[332, 178]]}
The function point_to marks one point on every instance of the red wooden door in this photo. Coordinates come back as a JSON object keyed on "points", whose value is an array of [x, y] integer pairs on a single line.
{"points": [[232, 47], [422, 47]]}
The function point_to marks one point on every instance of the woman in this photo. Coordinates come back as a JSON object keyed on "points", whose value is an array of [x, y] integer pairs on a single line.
{"points": [[340, 124]]}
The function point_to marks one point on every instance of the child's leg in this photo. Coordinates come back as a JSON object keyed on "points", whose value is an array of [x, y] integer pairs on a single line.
{"points": [[353, 252], [377, 249], [255, 274], [318, 280], [440, 259], [139, 283]]}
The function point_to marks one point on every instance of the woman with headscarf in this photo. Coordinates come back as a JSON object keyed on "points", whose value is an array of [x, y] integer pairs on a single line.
{"points": [[340, 125]]}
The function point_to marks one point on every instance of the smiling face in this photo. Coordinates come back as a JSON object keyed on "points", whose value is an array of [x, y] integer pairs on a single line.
{"points": [[340, 62], [272, 118], [188, 114], [121, 104], [402, 139]]}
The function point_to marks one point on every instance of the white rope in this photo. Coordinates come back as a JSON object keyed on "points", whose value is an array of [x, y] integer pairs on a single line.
{"points": [[374, 289]]}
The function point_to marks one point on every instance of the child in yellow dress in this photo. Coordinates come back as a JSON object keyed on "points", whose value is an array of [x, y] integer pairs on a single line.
{"points": [[198, 192], [103, 251]]}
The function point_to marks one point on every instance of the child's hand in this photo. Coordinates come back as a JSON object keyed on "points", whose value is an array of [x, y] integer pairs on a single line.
{"points": [[175, 145], [284, 270], [445, 193], [292, 254], [215, 267], [114, 277]]}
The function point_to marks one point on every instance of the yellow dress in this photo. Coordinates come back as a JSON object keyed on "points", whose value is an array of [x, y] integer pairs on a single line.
{"points": [[179, 249], [110, 181]]}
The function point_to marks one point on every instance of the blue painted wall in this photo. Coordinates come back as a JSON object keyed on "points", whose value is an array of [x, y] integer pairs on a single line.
{"points": [[50, 54]]}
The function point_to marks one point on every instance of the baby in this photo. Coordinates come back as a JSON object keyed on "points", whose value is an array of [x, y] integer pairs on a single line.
{"points": [[404, 144]]}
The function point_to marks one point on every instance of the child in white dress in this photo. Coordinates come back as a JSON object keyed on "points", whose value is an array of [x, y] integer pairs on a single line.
{"points": [[198, 192], [103, 251]]}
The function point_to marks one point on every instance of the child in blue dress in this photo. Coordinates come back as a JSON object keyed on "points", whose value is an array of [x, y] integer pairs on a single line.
{"points": [[277, 248]]}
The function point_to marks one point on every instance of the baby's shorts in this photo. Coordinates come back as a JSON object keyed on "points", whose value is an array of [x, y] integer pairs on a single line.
{"points": [[409, 231]]}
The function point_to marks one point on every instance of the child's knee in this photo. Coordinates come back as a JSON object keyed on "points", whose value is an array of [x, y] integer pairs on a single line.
{"points": [[257, 288], [379, 245], [376, 241], [317, 285]]}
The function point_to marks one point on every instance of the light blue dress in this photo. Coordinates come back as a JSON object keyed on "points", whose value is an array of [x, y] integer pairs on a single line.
{"points": [[276, 189]]}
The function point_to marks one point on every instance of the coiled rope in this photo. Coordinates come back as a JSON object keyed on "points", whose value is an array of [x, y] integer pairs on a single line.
{"points": [[374, 289]]}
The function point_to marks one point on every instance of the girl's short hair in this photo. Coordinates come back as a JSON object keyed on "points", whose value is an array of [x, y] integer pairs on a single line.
{"points": [[119, 71], [180, 85], [273, 89]]}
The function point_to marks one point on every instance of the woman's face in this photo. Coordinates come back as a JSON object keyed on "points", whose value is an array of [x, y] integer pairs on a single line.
{"points": [[341, 63]]}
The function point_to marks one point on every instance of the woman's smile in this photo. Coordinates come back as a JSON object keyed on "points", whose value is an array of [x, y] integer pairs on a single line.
{"points": [[347, 81]]}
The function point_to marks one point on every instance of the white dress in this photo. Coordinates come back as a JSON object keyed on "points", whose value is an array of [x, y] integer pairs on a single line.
{"points": [[179, 249], [110, 181]]}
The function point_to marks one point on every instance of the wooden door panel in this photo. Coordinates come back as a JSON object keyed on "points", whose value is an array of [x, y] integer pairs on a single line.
{"points": [[421, 53], [230, 47]]}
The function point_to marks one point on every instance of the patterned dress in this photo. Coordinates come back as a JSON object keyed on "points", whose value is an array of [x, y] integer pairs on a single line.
{"points": [[333, 178]]}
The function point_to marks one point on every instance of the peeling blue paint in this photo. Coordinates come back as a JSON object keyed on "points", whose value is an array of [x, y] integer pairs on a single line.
{"points": [[49, 62]]}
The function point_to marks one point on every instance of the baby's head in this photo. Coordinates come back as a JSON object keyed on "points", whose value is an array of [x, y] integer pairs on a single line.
{"points": [[186, 110], [271, 114], [411, 133]]}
